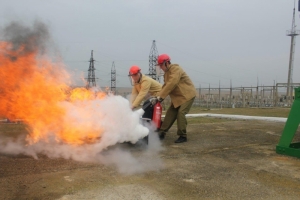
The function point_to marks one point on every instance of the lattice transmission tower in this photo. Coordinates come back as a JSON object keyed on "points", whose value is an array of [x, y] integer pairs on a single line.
{"points": [[91, 80], [152, 62], [113, 79], [292, 33]]}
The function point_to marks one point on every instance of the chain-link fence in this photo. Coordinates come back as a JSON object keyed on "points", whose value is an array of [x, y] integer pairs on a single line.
{"points": [[261, 96]]}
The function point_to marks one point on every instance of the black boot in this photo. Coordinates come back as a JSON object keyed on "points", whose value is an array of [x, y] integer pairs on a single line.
{"points": [[181, 139], [161, 135]]}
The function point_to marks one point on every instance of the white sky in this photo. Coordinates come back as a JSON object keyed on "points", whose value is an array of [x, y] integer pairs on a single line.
{"points": [[213, 40]]}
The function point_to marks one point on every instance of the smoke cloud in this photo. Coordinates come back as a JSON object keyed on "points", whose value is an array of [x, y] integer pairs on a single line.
{"points": [[25, 39], [79, 124]]}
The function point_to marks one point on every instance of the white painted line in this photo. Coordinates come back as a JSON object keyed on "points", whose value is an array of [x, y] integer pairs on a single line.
{"points": [[246, 117]]}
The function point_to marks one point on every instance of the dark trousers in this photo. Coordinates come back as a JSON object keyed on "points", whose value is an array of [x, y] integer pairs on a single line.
{"points": [[178, 114], [148, 110]]}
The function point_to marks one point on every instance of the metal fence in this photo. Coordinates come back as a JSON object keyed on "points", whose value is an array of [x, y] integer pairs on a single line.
{"points": [[235, 97]]}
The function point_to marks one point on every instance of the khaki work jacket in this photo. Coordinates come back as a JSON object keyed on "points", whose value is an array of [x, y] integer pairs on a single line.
{"points": [[145, 86], [178, 85]]}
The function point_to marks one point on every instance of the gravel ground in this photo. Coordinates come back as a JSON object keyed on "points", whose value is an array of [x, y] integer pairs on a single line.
{"points": [[223, 160]]}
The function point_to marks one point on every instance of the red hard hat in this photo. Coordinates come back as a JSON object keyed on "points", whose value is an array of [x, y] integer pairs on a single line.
{"points": [[134, 70], [163, 58]]}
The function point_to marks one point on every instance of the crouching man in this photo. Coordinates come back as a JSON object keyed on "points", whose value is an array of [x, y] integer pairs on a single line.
{"points": [[143, 86]]}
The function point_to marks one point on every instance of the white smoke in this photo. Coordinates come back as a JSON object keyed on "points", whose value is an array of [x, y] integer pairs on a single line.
{"points": [[111, 115], [117, 123]]}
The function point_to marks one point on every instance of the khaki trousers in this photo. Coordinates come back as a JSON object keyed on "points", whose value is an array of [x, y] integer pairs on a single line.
{"points": [[178, 114]]}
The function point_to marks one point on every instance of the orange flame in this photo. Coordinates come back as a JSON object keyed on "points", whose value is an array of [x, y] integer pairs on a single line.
{"points": [[33, 88]]}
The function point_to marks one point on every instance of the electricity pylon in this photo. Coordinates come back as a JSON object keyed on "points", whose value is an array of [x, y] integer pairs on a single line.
{"points": [[153, 61], [91, 80], [113, 79]]}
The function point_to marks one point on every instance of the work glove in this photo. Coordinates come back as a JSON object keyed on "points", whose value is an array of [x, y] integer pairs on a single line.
{"points": [[154, 100], [160, 99]]}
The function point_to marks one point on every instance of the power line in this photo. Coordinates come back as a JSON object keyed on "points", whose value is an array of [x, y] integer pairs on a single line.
{"points": [[197, 59]]}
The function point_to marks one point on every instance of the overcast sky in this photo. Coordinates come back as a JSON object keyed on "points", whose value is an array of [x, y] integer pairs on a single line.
{"points": [[213, 40]]}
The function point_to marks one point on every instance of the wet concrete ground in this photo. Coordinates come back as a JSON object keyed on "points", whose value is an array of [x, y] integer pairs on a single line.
{"points": [[223, 160]]}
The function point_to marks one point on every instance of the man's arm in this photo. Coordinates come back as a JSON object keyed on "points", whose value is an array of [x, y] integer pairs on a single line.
{"points": [[134, 94], [145, 86]]}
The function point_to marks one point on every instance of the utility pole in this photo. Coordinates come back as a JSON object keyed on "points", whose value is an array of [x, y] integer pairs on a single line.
{"points": [[199, 94], [257, 99], [153, 61], [91, 80], [209, 94], [230, 94], [292, 33], [113, 79], [220, 93]]}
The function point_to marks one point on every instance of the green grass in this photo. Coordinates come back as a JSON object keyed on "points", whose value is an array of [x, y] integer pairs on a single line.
{"points": [[267, 112], [204, 120], [12, 130]]}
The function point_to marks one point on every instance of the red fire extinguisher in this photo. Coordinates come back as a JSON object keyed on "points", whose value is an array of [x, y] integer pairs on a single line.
{"points": [[157, 115]]}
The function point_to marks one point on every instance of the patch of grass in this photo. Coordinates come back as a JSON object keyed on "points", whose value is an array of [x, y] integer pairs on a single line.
{"points": [[267, 112], [12, 130], [203, 120]]}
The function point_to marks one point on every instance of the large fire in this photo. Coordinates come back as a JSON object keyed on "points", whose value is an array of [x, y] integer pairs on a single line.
{"points": [[62, 121], [33, 88]]}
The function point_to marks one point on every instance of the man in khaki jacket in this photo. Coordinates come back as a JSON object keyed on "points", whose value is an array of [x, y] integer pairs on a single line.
{"points": [[142, 86], [182, 92]]}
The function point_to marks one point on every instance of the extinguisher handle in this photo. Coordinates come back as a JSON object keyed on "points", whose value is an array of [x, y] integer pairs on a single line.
{"points": [[153, 100], [160, 99]]}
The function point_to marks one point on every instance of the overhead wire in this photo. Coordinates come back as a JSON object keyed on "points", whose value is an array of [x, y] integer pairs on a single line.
{"points": [[189, 54]]}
